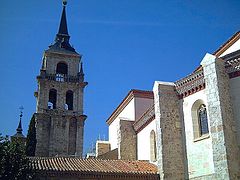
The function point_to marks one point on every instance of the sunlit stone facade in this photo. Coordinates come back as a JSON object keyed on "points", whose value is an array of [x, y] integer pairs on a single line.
{"points": [[196, 121]]}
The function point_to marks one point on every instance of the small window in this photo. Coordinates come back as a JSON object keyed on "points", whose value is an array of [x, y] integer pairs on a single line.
{"points": [[52, 100], [69, 100], [203, 120]]}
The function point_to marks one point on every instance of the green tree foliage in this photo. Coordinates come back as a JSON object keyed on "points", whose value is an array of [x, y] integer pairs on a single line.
{"points": [[14, 164], [31, 138]]}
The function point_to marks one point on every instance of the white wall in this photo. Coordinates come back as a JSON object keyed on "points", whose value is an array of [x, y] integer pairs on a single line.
{"points": [[127, 113], [235, 97], [143, 141], [234, 47], [199, 153]]}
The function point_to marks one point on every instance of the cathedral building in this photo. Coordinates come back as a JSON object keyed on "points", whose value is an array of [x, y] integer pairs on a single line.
{"points": [[60, 122], [59, 113], [189, 128]]}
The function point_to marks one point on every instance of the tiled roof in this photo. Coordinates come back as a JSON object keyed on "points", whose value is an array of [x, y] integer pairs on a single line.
{"points": [[74, 165]]}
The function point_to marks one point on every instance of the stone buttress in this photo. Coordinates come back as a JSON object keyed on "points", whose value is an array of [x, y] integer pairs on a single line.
{"points": [[170, 153], [226, 153]]}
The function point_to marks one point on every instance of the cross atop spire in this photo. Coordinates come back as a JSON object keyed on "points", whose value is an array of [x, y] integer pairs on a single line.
{"points": [[62, 37]]}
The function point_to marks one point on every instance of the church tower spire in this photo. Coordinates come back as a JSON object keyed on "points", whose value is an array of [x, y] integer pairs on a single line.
{"points": [[63, 30], [19, 129], [59, 114], [18, 136], [62, 37]]}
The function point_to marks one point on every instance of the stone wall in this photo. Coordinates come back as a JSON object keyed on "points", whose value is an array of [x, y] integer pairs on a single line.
{"points": [[222, 124], [59, 135], [51, 59], [128, 141], [43, 124], [113, 154], [102, 147], [60, 130], [170, 156], [44, 86], [235, 97]]}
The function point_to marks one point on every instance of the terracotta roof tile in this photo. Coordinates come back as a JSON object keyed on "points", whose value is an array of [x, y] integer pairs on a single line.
{"points": [[71, 164]]}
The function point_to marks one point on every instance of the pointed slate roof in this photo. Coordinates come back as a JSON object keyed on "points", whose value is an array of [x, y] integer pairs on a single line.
{"points": [[62, 37], [63, 23], [19, 129]]}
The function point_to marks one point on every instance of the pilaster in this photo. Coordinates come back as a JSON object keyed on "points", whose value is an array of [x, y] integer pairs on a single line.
{"points": [[43, 124], [226, 153], [80, 132]]}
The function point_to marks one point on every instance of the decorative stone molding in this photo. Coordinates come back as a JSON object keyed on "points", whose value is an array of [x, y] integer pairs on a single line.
{"points": [[190, 84], [61, 54], [232, 64], [61, 78]]}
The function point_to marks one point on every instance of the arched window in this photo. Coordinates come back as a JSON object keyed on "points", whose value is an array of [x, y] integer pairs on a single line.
{"points": [[52, 100], [69, 100], [62, 68], [203, 120], [61, 71], [153, 148], [199, 119]]}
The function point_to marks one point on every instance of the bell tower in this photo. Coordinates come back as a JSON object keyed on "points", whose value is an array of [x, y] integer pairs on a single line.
{"points": [[59, 112]]}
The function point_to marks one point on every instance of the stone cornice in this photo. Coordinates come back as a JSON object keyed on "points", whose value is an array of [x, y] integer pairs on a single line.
{"points": [[232, 64], [61, 54], [132, 94], [190, 84]]}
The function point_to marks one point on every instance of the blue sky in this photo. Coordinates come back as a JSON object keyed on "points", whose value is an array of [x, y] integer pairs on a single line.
{"points": [[125, 44]]}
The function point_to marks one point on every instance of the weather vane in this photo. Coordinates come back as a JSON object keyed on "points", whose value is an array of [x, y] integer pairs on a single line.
{"points": [[21, 111], [64, 2]]}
